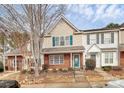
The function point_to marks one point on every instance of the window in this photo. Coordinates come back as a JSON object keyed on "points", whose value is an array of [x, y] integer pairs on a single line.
{"points": [[67, 38], [107, 41], [109, 58], [97, 38], [106, 58], [102, 38], [13, 63], [62, 41], [112, 37], [88, 39], [56, 41], [56, 59], [51, 59]]}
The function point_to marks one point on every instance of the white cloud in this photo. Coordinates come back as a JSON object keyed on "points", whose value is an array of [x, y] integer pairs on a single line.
{"points": [[95, 15]]}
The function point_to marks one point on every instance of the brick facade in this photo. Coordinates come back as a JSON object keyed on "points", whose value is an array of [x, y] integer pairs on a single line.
{"points": [[122, 59], [67, 61]]}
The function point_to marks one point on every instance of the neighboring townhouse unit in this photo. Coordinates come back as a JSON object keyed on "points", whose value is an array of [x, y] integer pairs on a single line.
{"points": [[102, 46], [19, 59], [121, 46]]}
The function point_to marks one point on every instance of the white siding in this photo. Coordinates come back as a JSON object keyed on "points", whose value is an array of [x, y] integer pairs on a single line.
{"points": [[93, 36]]}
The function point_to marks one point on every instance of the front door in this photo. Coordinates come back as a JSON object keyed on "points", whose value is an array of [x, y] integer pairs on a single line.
{"points": [[93, 56], [76, 60]]}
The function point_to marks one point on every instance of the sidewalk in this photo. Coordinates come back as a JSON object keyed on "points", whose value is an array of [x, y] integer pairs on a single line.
{"points": [[106, 75]]}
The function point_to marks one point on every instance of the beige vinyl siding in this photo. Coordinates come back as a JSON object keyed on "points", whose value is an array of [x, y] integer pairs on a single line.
{"points": [[63, 29]]}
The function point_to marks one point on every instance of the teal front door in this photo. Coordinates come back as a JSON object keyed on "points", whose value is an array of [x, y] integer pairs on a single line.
{"points": [[76, 60]]}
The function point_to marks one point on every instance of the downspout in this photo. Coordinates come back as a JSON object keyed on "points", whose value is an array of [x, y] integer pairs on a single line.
{"points": [[118, 48]]}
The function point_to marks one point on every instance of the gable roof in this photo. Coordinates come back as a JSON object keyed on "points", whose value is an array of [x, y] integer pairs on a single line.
{"points": [[61, 17], [94, 45]]}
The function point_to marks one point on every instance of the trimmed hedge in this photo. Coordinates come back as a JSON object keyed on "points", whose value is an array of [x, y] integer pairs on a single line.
{"points": [[90, 64], [107, 68], [1, 67]]}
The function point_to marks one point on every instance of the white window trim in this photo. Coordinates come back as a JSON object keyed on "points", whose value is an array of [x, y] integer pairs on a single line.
{"points": [[53, 63], [109, 57], [66, 42]]}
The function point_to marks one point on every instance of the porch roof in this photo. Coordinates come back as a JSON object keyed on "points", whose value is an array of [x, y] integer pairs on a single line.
{"points": [[63, 50], [109, 49]]}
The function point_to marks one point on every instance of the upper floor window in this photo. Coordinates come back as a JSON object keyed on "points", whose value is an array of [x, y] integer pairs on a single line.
{"points": [[97, 38], [102, 38], [88, 39], [67, 38], [107, 40], [56, 41], [112, 37], [61, 41]]}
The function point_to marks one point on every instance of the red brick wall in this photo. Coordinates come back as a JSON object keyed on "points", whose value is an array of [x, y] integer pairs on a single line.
{"points": [[81, 59], [65, 65], [67, 62], [122, 59]]}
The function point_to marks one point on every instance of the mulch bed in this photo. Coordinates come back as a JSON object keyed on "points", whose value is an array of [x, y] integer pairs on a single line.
{"points": [[118, 74], [93, 76], [50, 77]]}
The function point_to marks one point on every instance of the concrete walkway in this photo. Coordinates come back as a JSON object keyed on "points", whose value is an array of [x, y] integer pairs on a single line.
{"points": [[106, 75]]}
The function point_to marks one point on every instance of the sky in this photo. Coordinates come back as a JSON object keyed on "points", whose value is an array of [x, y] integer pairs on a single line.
{"points": [[91, 16]]}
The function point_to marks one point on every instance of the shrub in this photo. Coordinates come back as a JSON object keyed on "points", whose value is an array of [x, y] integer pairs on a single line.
{"points": [[65, 70], [60, 69], [90, 64], [54, 70], [24, 71], [116, 68], [70, 69], [1, 67], [45, 67], [106, 68], [31, 71]]}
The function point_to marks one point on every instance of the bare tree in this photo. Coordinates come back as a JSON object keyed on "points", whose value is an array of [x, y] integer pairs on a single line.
{"points": [[35, 19]]}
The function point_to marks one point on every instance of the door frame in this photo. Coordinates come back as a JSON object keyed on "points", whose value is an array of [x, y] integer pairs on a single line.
{"points": [[73, 60]]}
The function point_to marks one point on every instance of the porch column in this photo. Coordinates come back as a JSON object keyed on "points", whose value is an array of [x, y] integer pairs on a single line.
{"points": [[71, 60], [15, 63]]}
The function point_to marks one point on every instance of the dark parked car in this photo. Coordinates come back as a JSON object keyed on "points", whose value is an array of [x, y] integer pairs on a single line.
{"points": [[9, 84], [115, 84]]}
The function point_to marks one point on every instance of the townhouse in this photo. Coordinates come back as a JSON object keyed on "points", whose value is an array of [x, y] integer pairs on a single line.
{"points": [[65, 46]]}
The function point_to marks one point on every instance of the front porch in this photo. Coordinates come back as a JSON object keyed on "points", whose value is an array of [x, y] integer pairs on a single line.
{"points": [[14, 62], [64, 60], [64, 57]]}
